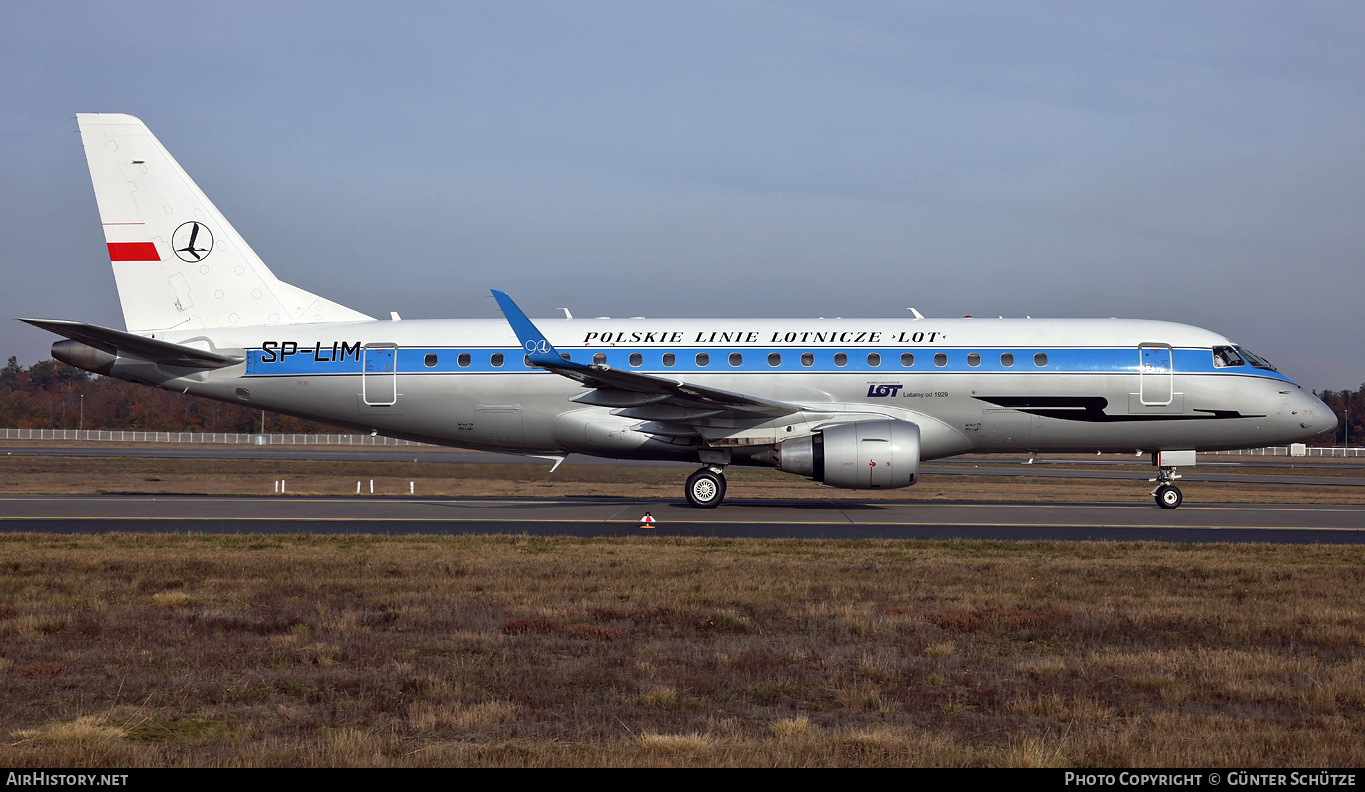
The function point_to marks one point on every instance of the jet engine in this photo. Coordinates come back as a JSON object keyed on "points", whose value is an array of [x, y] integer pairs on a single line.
{"points": [[881, 454], [81, 356]]}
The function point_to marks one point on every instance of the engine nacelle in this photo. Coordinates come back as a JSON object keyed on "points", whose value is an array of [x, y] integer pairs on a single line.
{"points": [[81, 356], [857, 455]]}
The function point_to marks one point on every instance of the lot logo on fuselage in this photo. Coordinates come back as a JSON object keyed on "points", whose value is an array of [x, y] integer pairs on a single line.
{"points": [[877, 391], [192, 241]]}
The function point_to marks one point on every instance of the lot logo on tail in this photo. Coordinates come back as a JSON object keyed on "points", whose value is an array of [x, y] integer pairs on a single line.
{"points": [[192, 241]]}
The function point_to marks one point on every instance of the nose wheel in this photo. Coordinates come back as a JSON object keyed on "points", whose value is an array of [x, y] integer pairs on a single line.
{"points": [[705, 488], [1168, 496]]}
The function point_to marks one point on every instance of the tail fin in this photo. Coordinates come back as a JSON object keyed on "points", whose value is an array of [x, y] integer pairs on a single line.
{"points": [[177, 262]]}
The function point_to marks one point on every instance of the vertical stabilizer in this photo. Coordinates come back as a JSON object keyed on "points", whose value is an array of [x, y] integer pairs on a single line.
{"points": [[177, 262]]}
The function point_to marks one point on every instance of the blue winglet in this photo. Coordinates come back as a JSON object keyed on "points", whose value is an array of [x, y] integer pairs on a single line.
{"points": [[539, 351]]}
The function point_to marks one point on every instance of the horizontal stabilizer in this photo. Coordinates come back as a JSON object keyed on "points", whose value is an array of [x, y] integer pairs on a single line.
{"points": [[121, 344]]}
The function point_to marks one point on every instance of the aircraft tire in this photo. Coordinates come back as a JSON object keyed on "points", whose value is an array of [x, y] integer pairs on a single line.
{"points": [[705, 489], [1168, 496]]}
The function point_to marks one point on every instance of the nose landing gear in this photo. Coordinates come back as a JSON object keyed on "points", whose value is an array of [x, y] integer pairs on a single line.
{"points": [[1167, 494]]}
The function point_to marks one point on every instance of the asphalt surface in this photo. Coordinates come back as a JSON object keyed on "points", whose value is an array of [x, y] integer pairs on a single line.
{"points": [[1137, 520], [615, 517]]}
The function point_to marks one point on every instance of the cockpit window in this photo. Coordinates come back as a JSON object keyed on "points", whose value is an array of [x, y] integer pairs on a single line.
{"points": [[1255, 360], [1226, 356]]}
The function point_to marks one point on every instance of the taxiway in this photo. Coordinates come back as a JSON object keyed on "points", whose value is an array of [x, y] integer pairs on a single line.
{"points": [[616, 517]]}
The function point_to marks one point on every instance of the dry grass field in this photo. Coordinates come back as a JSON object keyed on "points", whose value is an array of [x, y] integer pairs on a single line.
{"points": [[134, 650], [129, 650]]}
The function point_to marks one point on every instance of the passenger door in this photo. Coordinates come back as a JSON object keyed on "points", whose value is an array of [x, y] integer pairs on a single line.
{"points": [[379, 375], [1155, 375]]}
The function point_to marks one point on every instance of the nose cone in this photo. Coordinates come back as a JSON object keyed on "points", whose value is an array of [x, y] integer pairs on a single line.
{"points": [[1314, 416]]}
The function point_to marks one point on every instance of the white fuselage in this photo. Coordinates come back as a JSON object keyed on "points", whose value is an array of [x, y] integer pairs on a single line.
{"points": [[970, 384]]}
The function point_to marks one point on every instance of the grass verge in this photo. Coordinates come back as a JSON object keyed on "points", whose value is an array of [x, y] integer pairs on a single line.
{"points": [[117, 475], [140, 650]]}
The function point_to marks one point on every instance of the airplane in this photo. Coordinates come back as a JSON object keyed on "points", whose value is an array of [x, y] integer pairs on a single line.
{"points": [[848, 403]]}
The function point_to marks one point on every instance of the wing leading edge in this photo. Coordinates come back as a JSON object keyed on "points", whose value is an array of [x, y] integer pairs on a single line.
{"points": [[619, 388]]}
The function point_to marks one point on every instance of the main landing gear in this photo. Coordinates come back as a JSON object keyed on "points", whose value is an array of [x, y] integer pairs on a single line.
{"points": [[1167, 493], [706, 488]]}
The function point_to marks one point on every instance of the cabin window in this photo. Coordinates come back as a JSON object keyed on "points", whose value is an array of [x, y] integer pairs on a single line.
{"points": [[463, 360], [1006, 359], [636, 358], [973, 360], [940, 360], [841, 360], [907, 359], [496, 360], [873, 359], [600, 358], [670, 359], [736, 358], [430, 360], [526, 361], [774, 359], [1040, 360], [703, 359], [807, 359]]}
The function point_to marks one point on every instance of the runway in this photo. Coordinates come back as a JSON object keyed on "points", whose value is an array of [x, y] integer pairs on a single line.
{"points": [[618, 517]]}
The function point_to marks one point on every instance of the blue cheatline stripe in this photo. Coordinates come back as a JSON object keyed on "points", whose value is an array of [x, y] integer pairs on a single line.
{"points": [[753, 360]]}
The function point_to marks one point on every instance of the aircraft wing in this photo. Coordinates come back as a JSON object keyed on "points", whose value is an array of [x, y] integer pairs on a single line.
{"points": [[117, 342], [542, 354]]}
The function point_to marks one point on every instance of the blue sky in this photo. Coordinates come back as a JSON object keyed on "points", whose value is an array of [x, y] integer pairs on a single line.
{"points": [[1201, 162]]}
